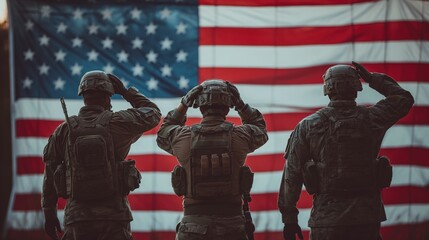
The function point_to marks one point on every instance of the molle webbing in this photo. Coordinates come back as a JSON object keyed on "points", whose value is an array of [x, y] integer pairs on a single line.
{"points": [[211, 170]]}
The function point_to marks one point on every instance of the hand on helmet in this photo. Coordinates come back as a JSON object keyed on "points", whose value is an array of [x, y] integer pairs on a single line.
{"points": [[290, 230], [118, 85], [236, 99], [52, 224], [189, 98], [363, 73]]}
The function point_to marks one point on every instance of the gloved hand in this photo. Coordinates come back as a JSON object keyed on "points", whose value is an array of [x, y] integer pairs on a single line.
{"points": [[52, 224], [117, 84], [363, 73], [236, 99], [188, 99], [290, 230]]}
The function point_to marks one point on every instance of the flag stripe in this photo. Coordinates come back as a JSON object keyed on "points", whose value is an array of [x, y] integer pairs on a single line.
{"points": [[267, 220], [297, 16], [406, 30], [160, 182], [283, 98], [415, 231], [403, 72], [259, 163], [260, 202], [281, 56], [278, 2], [44, 128], [397, 136]]}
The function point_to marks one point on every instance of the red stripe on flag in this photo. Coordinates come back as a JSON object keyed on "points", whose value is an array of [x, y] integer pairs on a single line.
{"points": [[402, 72], [392, 31], [418, 115], [260, 201], [259, 163]]}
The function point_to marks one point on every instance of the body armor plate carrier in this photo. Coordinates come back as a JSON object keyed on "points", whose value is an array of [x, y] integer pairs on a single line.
{"points": [[211, 171], [347, 163], [92, 169]]}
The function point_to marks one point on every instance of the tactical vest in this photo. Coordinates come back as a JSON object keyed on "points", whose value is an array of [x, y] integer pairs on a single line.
{"points": [[347, 163], [211, 170], [91, 168]]}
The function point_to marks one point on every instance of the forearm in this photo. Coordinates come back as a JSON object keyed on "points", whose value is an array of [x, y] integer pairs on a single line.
{"points": [[174, 119], [138, 100], [252, 116], [49, 194]]}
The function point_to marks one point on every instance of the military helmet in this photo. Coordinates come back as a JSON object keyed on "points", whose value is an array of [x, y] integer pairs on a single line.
{"points": [[215, 92], [96, 81], [340, 79]]}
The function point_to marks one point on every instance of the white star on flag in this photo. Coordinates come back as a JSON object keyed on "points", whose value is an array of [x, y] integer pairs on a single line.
{"points": [[27, 82], [43, 69], [107, 43], [92, 56], [28, 55], [137, 43], [59, 84], [151, 28], [76, 69], [123, 56], [108, 68], [152, 84], [181, 56], [61, 28], [166, 71], [166, 44], [138, 70], [44, 40], [107, 14], [77, 42], [181, 28], [60, 55], [135, 13], [151, 56], [183, 83]]}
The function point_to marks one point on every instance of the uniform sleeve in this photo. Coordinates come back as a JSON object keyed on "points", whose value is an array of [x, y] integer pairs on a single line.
{"points": [[53, 156], [144, 115], [173, 123], [296, 153], [253, 129], [396, 105]]}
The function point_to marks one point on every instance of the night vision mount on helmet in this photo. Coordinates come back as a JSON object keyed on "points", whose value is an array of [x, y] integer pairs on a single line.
{"points": [[214, 93], [341, 79], [96, 81]]}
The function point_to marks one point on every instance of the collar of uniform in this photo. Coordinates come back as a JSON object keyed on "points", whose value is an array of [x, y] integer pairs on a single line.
{"points": [[213, 120], [90, 109], [342, 103]]}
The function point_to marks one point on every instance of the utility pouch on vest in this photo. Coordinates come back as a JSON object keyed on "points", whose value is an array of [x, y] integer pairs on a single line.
{"points": [[60, 181], [129, 175], [178, 180], [246, 179], [311, 181], [384, 172]]}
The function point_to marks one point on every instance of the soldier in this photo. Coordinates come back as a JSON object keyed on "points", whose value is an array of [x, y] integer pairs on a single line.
{"points": [[212, 176], [84, 161], [334, 154]]}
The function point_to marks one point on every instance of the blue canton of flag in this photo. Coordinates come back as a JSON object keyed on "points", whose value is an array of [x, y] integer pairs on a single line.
{"points": [[152, 47]]}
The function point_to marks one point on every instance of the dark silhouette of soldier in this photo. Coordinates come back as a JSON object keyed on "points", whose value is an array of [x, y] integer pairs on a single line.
{"points": [[84, 162], [334, 153], [211, 154]]}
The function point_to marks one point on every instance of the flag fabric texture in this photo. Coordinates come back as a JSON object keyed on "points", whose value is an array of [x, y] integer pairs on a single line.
{"points": [[275, 51]]}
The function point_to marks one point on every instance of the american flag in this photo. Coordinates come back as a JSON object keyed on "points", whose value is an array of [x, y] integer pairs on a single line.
{"points": [[275, 51]]}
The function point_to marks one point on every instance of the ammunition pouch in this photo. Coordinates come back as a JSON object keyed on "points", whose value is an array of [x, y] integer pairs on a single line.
{"points": [[246, 180], [129, 176], [384, 172], [178, 180], [311, 180], [60, 181]]}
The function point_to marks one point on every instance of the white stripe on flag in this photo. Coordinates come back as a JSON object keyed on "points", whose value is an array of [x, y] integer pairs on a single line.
{"points": [[298, 16], [396, 136], [312, 55], [265, 182], [282, 98]]}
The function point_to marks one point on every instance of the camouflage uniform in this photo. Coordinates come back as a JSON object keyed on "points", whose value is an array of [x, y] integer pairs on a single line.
{"points": [[220, 217], [340, 216], [126, 127]]}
